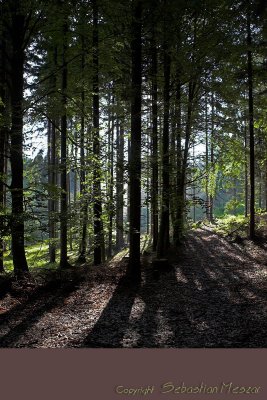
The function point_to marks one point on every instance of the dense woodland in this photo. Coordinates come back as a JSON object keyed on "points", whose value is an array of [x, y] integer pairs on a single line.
{"points": [[124, 124], [133, 173]]}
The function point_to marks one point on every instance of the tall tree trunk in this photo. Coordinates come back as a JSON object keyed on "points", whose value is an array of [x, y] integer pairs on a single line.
{"points": [[53, 197], [119, 187], [128, 194], [155, 172], [251, 128], [265, 181], [84, 199], [63, 158], [110, 180], [211, 156], [52, 171], [98, 226], [181, 177], [260, 190], [207, 158], [173, 166], [178, 223], [49, 140], [2, 192], [135, 145], [3, 134], [164, 231], [69, 202], [246, 169], [16, 133]]}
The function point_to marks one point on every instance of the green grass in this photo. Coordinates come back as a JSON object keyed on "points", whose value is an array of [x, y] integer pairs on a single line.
{"points": [[37, 257]]}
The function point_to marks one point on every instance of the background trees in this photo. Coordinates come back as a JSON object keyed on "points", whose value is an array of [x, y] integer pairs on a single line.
{"points": [[144, 114]]}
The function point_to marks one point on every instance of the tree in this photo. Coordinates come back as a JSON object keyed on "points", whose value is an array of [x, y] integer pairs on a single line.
{"points": [[18, 30], [119, 186], [99, 251], [3, 131], [251, 127], [63, 152], [135, 144], [164, 231], [155, 172]]}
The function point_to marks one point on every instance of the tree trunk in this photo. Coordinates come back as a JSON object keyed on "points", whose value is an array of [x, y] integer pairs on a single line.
{"points": [[110, 180], [251, 128], [135, 146], [260, 190], [3, 138], [16, 133], [52, 172], [120, 188], [178, 223], [181, 177], [52, 250], [2, 192], [207, 158], [98, 228], [246, 170], [265, 185], [84, 199], [63, 160], [155, 172], [211, 156], [164, 231]]}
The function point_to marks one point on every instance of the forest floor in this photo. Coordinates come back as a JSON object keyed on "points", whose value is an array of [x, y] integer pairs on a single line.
{"points": [[214, 295]]}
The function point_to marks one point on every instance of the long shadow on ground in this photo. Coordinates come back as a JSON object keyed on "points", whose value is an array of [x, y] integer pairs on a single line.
{"points": [[21, 318], [213, 296], [113, 322]]}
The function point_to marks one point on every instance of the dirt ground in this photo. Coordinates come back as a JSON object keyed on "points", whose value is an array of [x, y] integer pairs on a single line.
{"points": [[214, 295]]}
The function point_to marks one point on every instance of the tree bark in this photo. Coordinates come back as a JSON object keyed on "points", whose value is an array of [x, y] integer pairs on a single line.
{"points": [[211, 156], [119, 188], [155, 172], [110, 180], [63, 158], [3, 135], [265, 185], [251, 128], [246, 170], [2, 192], [52, 252], [84, 199], [98, 226], [135, 145], [178, 223], [181, 177], [52, 171], [16, 134], [164, 231], [207, 158]]}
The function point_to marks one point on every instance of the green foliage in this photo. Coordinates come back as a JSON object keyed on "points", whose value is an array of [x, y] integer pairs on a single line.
{"points": [[212, 182], [196, 225], [231, 223], [234, 205]]}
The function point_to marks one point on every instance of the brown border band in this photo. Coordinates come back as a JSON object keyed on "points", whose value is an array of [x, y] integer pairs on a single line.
{"points": [[96, 374]]}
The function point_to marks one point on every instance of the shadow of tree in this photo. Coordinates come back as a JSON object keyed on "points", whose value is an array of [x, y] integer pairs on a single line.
{"points": [[210, 298], [22, 317], [110, 327]]}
